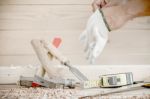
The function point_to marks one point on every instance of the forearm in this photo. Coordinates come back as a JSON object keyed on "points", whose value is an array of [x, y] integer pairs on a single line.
{"points": [[117, 16], [136, 8]]}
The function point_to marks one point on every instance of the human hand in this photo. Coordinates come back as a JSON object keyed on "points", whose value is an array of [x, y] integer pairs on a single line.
{"points": [[116, 16], [95, 35], [97, 4]]}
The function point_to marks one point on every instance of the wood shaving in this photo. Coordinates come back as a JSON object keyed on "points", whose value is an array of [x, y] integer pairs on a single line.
{"points": [[36, 93], [46, 93]]}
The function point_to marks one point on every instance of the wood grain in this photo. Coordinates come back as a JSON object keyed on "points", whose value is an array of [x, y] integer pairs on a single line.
{"points": [[45, 2], [24, 20], [58, 17], [62, 17], [79, 59], [140, 73], [134, 41]]}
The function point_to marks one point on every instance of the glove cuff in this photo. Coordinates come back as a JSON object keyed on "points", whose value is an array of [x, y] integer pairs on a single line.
{"points": [[104, 19]]}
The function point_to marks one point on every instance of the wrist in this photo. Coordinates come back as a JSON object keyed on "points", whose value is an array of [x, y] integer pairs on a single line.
{"points": [[136, 8]]}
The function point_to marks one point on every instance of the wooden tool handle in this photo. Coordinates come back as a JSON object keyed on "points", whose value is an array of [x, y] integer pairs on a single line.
{"points": [[54, 52], [42, 55]]}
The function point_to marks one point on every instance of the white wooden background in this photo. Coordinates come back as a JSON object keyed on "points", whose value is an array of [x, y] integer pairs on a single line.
{"points": [[23, 20]]}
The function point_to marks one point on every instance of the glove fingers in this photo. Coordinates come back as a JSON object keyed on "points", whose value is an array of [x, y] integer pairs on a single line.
{"points": [[90, 56], [99, 46], [91, 59], [83, 36], [88, 51], [84, 39]]}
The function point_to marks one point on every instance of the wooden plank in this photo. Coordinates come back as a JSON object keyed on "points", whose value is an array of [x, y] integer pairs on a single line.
{"points": [[19, 60], [140, 72], [124, 47], [57, 17], [121, 41], [13, 73], [79, 58], [8, 40], [20, 24], [46, 2]]}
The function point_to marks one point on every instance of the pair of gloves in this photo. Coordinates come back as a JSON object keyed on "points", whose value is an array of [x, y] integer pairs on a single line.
{"points": [[95, 35]]}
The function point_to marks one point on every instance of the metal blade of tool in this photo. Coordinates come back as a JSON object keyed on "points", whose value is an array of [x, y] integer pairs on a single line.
{"points": [[53, 51], [76, 72], [44, 82], [55, 82]]}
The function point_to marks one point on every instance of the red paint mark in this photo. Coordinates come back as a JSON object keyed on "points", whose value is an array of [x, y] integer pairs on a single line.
{"points": [[56, 42], [35, 84]]}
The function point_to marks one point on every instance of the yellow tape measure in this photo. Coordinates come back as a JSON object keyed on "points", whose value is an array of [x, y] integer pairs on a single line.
{"points": [[92, 84]]}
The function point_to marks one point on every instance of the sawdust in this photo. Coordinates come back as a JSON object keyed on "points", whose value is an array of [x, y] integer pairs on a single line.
{"points": [[46, 93], [36, 93], [144, 96]]}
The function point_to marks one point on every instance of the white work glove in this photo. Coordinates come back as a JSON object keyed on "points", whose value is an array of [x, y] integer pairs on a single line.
{"points": [[95, 35]]}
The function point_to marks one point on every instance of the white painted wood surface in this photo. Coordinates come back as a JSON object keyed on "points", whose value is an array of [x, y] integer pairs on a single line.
{"points": [[140, 72], [23, 20], [45, 2]]}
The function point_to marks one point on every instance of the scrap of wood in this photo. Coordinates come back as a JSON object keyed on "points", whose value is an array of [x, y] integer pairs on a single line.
{"points": [[45, 59]]}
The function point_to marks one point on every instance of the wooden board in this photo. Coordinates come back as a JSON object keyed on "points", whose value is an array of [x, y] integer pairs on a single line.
{"points": [[23, 20], [135, 41], [111, 59], [140, 73], [45, 2], [58, 17]]}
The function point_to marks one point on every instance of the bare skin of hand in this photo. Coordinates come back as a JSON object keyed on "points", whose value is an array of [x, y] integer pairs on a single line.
{"points": [[118, 12], [106, 3], [115, 16]]}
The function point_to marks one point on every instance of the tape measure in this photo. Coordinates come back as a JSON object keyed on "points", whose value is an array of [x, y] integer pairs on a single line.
{"points": [[110, 81]]}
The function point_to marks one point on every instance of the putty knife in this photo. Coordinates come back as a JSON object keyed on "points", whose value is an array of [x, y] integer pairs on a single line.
{"points": [[54, 52]]}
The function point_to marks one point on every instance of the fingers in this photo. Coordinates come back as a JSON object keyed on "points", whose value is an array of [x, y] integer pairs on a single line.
{"points": [[88, 47], [84, 39], [97, 4], [90, 56], [97, 46], [103, 3]]}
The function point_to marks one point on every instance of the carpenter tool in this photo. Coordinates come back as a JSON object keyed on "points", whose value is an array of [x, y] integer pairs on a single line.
{"points": [[54, 52], [35, 82], [25, 81], [45, 58], [45, 55], [38, 79], [127, 88], [110, 81], [116, 80], [50, 83], [55, 82], [138, 85]]}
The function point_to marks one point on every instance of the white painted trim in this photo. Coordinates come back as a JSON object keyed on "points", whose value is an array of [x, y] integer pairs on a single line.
{"points": [[10, 74]]}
